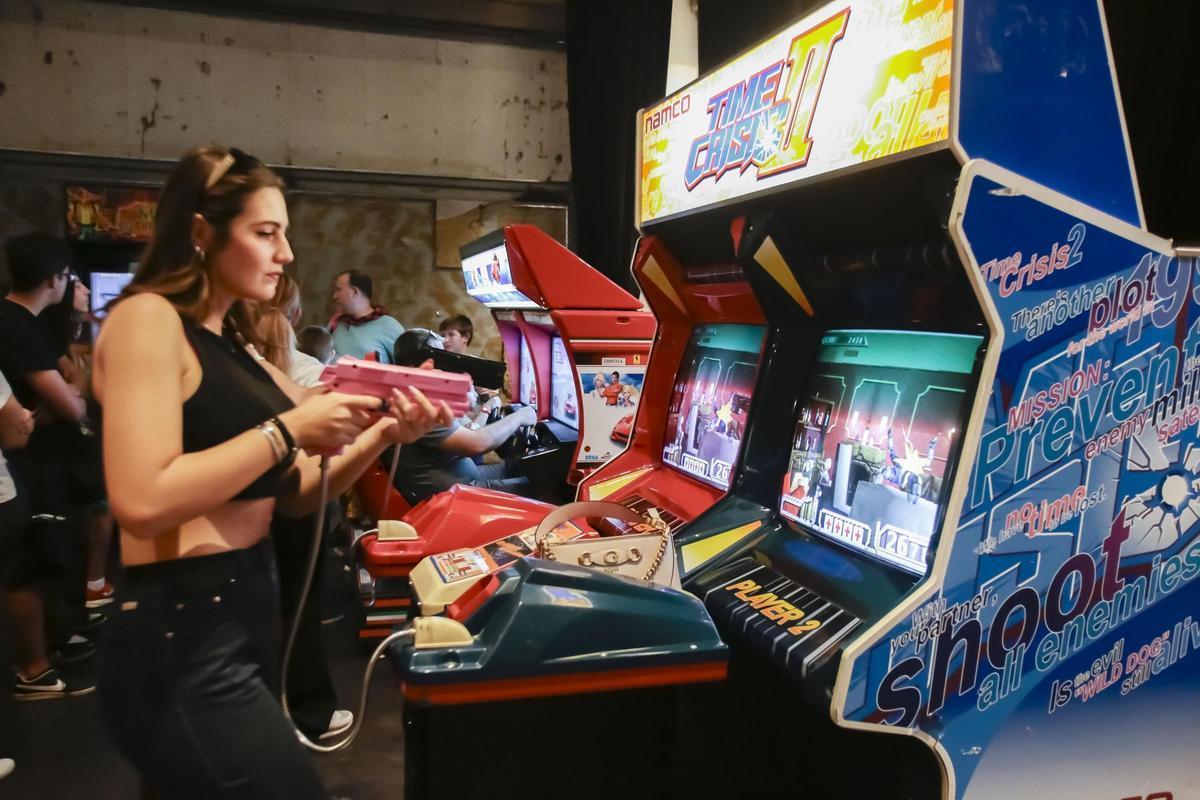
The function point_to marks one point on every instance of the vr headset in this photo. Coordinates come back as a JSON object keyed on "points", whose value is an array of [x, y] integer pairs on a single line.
{"points": [[416, 345], [484, 374]]}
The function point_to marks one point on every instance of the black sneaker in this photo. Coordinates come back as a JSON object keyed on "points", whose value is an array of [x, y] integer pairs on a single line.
{"points": [[77, 648], [95, 619], [50, 685]]}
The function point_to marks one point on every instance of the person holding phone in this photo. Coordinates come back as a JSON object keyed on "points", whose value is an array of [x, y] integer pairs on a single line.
{"points": [[41, 618]]}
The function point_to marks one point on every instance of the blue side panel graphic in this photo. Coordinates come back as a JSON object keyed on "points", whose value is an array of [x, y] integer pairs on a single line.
{"points": [[1069, 611], [1038, 98]]}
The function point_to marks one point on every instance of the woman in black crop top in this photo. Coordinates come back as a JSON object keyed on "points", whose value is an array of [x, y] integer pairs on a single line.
{"points": [[200, 450]]}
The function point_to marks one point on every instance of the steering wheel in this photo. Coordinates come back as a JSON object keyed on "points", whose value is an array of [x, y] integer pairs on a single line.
{"points": [[498, 413], [523, 439]]}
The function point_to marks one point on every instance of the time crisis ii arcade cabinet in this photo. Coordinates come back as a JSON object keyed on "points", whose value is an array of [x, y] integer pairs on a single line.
{"points": [[1005, 569], [553, 311]]}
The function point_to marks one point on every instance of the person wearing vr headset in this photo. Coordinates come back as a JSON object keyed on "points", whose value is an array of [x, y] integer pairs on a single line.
{"points": [[445, 455], [202, 446]]}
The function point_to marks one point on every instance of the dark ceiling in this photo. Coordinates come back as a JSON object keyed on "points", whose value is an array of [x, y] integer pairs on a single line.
{"points": [[526, 23]]}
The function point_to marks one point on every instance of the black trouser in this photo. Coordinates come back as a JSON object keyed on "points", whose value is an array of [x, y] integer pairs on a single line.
{"points": [[189, 679], [51, 555], [311, 696], [14, 520], [497, 477]]}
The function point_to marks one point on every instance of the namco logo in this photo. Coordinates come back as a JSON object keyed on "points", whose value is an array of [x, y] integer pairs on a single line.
{"points": [[667, 113], [1153, 796]]}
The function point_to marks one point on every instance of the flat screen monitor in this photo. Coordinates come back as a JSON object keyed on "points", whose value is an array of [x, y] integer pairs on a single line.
{"points": [[877, 426], [488, 279], [564, 400], [711, 400], [527, 391], [106, 287]]}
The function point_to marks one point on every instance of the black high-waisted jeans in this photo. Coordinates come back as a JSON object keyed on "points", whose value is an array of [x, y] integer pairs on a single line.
{"points": [[189, 681]]}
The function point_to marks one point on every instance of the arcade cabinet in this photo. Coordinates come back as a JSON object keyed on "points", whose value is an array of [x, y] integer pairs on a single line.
{"points": [[105, 287], [558, 318], [107, 228], [692, 403], [973, 467]]}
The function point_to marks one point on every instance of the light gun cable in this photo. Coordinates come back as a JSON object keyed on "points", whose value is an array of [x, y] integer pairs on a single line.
{"points": [[306, 588]]}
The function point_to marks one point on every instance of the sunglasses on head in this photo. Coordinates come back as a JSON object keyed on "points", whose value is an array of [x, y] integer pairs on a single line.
{"points": [[234, 161]]}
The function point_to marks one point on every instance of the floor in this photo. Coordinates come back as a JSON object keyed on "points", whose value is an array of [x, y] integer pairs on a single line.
{"points": [[62, 751]]}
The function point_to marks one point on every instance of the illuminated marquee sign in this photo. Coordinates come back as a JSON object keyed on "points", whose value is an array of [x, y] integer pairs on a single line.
{"points": [[855, 81]]}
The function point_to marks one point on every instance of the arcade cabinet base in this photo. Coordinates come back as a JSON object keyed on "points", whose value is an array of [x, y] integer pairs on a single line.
{"points": [[764, 737], [746, 737], [629, 745]]}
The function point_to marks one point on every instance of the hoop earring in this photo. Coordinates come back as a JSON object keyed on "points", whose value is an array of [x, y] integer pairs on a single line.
{"points": [[200, 254]]}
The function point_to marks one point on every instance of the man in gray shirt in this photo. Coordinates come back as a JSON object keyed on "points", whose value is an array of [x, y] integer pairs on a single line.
{"points": [[444, 456]]}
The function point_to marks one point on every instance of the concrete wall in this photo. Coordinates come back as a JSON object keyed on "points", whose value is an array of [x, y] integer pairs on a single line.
{"points": [[104, 80], [108, 80], [393, 242]]}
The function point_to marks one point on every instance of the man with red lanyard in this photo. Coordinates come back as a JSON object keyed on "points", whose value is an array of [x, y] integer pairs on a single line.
{"points": [[359, 327]]}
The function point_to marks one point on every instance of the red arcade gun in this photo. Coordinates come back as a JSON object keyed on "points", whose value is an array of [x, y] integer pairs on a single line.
{"points": [[685, 415], [559, 319]]}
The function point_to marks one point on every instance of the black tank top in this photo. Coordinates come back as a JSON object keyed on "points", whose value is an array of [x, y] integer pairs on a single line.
{"points": [[235, 395]]}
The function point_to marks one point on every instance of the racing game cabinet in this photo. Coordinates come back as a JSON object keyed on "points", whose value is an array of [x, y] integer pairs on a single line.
{"points": [[556, 315], [684, 414]]}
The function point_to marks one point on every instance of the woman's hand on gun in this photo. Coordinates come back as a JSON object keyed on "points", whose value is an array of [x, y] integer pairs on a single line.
{"points": [[413, 416], [328, 422]]}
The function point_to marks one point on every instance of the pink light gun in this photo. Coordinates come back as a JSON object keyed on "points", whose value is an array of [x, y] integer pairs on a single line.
{"points": [[357, 376]]}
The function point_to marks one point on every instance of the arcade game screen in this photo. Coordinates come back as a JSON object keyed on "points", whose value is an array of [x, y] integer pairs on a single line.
{"points": [[564, 402], [488, 279], [713, 387], [105, 287], [527, 392], [875, 430]]}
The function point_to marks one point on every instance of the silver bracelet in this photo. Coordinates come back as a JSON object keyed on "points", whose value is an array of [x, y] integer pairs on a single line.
{"points": [[278, 446], [270, 440], [279, 438]]}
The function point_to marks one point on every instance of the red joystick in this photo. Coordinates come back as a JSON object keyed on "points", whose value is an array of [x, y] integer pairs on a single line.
{"points": [[357, 376]]}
